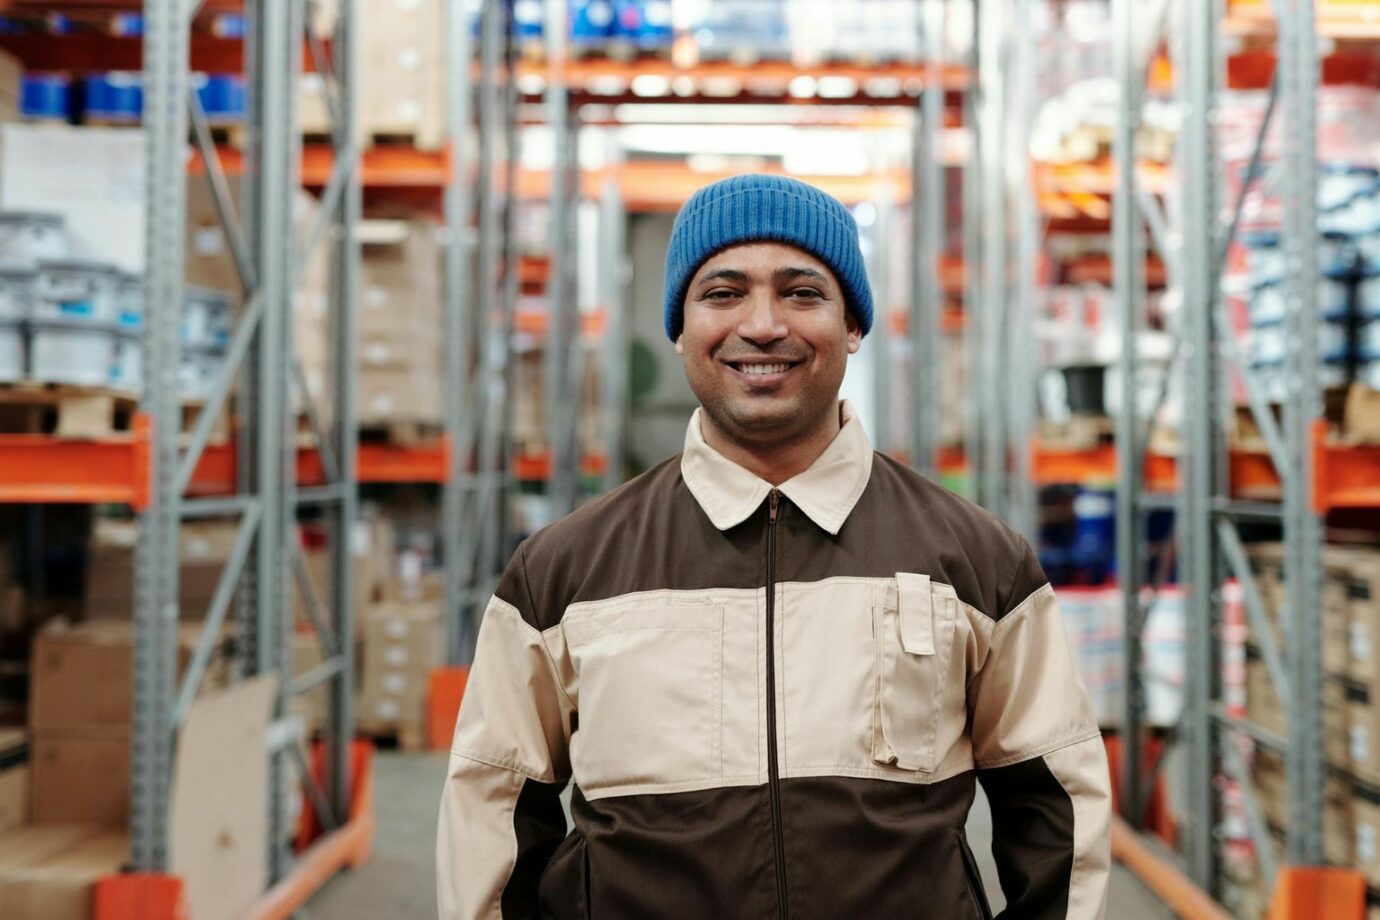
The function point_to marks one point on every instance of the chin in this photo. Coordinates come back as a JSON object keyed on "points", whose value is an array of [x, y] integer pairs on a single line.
{"points": [[755, 420]]}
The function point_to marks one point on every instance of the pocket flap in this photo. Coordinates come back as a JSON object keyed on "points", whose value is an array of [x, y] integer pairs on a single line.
{"points": [[916, 613]]}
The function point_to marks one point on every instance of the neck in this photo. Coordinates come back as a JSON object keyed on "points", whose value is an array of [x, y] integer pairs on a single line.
{"points": [[774, 463]]}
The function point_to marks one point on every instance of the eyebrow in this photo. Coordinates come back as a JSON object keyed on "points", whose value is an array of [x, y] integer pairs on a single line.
{"points": [[790, 274], [781, 274]]}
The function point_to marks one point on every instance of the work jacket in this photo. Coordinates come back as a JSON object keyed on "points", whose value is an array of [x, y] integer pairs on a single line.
{"points": [[773, 702]]}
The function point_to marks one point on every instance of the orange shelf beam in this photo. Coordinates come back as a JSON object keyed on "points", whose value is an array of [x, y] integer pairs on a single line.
{"points": [[1344, 476], [1166, 880], [537, 467], [585, 75], [42, 468]]}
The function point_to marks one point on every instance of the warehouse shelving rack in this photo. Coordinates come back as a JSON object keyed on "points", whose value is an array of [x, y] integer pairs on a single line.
{"points": [[263, 477], [268, 555], [1205, 486]]}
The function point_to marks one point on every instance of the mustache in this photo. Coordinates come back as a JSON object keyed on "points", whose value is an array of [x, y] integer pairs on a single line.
{"points": [[729, 353]]}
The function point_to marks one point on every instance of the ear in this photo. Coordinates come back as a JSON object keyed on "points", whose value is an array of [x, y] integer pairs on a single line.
{"points": [[855, 335], [680, 346]]}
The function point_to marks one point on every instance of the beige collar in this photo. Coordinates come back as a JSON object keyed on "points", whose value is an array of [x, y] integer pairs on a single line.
{"points": [[826, 492]]}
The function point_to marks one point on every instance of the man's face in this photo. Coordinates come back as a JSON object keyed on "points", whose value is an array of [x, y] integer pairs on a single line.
{"points": [[765, 340]]}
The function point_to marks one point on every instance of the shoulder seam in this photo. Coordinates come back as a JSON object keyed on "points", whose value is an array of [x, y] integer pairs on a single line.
{"points": [[1023, 756], [499, 763], [1024, 606]]}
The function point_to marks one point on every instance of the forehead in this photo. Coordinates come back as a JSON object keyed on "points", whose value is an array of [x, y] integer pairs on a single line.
{"points": [[762, 258]]}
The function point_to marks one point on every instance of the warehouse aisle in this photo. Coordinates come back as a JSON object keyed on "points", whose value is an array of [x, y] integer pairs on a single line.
{"points": [[399, 881]]}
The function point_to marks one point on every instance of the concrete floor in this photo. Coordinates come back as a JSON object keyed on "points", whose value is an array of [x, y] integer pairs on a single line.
{"points": [[399, 883]]}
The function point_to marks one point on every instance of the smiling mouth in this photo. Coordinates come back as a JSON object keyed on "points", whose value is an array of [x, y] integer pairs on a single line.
{"points": [[755, 369]]}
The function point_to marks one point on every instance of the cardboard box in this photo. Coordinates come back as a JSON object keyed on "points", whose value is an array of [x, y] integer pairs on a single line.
{"points": [[82, 676], [1339, 822], [209, 260], [411, 394], [58, 885], [81, 776], [14, 779], [409, 588], [404, 54], [203, 548], [1363, 596], [402, 645], [1361, 415], [1263, 706], [1367, 849], [400, 277]]}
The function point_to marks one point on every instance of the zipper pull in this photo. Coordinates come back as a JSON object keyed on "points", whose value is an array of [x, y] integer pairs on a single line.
{"points": [[773, 505]]}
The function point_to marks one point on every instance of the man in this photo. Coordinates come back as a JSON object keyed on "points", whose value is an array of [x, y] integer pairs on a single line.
{"points": [[775, 664]]}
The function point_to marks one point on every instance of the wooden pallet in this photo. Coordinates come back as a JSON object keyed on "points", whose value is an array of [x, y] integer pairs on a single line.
{"points": [[399, 434], [64, 410], [1081, 432]]}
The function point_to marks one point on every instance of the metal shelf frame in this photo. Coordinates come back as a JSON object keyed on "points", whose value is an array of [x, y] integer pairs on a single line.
{"points": [[261, 370], [1192, 236]]}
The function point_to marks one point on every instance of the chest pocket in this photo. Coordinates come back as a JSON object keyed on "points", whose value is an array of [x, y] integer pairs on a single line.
{"points": [[650, 688], [914, 632]]}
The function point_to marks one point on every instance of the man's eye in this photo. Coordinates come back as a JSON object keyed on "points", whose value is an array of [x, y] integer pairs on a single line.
{"points": [[806, 293], [720, 294]]}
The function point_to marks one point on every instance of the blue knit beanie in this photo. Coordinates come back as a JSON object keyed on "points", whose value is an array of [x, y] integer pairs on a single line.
{"points": [[743, 209]]}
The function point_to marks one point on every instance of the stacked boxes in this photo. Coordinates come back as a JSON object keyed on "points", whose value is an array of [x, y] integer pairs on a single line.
{"points": [[203, 548], [402, 644], [14, 779], [400, 323], [47, 871], [1351, 702], [80, 715], [404, 57]]}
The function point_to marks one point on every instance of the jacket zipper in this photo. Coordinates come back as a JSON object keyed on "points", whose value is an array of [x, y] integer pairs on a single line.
{"points": [[773, 767]]}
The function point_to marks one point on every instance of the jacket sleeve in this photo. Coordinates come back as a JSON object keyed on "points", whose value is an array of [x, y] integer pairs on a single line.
{"points": [[501, 816], [1041, 761]]}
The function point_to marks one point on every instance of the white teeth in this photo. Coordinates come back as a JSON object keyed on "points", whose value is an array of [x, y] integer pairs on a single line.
{"points": [[764, 368]]}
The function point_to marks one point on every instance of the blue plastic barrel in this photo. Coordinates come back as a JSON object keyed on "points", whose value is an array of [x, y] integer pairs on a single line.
{"points": [[222, 97], [591, 22], [46, 96], [115, 96]]}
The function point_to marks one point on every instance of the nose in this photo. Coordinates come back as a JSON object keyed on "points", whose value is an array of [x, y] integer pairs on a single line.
{"points": [[763, 318]]}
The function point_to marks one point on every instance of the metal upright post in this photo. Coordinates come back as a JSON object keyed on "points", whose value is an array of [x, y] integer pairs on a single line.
{"points": [[345, 258], [879, 269], [1019, 327], [166, 58], [478, 430], [974, 327], [927, 206], [617, 334], [459, 323], [561, 331], [273, 238], [1127, 290], [1305, 765], [1198, 564], [991, 459]]}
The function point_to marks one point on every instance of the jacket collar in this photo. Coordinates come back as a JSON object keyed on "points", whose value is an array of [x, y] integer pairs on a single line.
{"points": [[826, 492]]}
